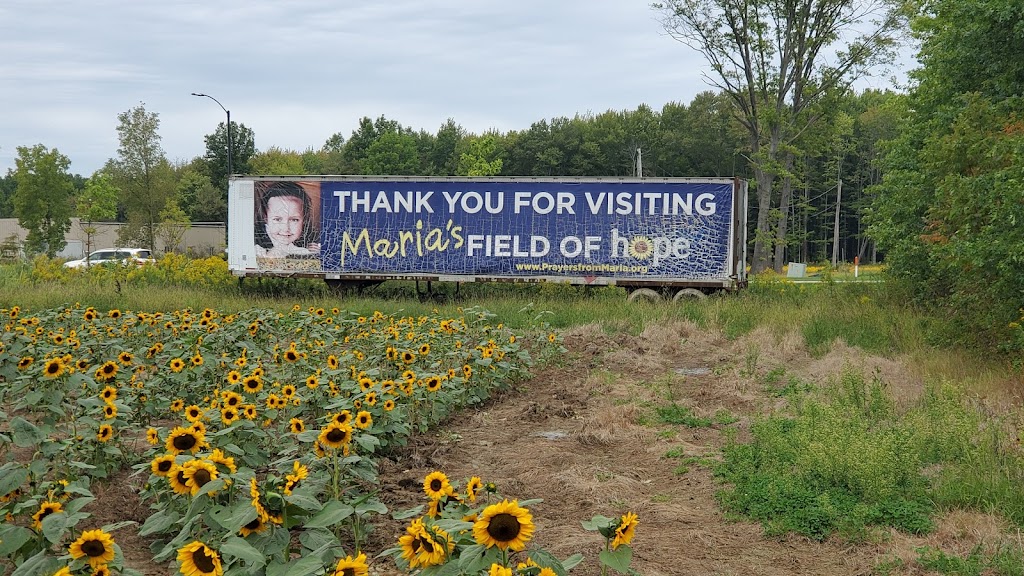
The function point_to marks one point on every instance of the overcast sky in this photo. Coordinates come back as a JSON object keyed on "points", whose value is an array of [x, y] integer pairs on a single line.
{"points": [[298, 71]]}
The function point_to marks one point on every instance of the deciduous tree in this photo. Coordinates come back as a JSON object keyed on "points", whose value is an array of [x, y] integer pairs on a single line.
{"points": [[42, 199]]}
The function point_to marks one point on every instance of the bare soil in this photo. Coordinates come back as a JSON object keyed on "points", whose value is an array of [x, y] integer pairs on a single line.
{"points": [[579, 435]]}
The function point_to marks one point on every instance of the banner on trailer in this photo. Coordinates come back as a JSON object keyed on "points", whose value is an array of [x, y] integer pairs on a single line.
{"points": [[656, 229]]}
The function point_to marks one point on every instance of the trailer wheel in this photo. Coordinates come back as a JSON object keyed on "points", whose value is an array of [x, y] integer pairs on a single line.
{"points": [[688, 294], [644, 294]]}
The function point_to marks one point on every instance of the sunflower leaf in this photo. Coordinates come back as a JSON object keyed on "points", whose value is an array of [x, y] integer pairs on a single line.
{"points": [[417, 511], [617, 559], [572, 561], [12, 538], [235, 547], [25, 433], [453, 526], [211, 487], [311, 564], [478, 557], [332, 513], [77, 504], [530, 502], [54, 526], [159, 522], [41, 563], [233, 518], [12, 475], [545, 559]]}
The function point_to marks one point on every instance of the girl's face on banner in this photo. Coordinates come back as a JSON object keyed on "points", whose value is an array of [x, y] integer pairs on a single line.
{"points": [[284, 220]]}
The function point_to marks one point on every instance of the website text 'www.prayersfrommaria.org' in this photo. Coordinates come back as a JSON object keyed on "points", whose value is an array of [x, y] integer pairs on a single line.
{"points": [[549, 267]]}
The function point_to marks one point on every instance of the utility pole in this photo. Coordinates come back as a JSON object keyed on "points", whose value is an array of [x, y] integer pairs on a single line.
{"points": [[835, 231]]}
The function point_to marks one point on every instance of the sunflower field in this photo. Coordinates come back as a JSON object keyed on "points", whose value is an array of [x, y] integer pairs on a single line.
{"points": [[258, 433]]}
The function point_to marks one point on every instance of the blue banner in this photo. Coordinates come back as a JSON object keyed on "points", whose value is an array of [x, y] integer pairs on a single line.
{"points": [[638, 229]]}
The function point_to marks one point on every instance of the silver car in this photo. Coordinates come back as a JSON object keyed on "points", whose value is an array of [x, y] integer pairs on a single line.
{"points": [[120, 255]]}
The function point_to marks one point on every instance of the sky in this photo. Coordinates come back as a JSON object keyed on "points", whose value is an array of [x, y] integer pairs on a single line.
{"points": [[298, 71]]}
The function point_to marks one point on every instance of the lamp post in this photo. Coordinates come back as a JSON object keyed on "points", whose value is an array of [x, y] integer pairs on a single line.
{"points": [[228, 112]]}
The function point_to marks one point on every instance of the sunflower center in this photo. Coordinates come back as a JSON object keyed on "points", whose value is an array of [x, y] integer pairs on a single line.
{"points": [[203, 561], [503, 527], [201, 476], [164, 466], [184, 442], [336, 435], [253, 525], [427, 545], [435, 485], [45, 512], [93, 548]]}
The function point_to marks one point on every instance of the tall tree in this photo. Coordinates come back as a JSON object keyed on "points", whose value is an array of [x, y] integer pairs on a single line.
{"points": [[42, 200], [142, 173], [394, 154], [278, 162], [97, 201], [7, 187], [771, 57], [202, 201], [243, 148]]}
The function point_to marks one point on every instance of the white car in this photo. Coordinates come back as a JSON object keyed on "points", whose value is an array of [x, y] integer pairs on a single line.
{"points": [[125, 255]]}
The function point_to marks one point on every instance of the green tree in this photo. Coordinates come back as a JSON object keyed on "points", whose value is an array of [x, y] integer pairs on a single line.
{"points": [[203, 202], [7, 187], [42, 199], [96, 202], [243, 148], [479, 156], [142, 173], [392, 154], [277, 162], [173, 225], [771, 58]]}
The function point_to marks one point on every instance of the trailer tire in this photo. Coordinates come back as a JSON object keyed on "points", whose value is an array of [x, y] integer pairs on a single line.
{"points": [[645, 294], [689, 293]]}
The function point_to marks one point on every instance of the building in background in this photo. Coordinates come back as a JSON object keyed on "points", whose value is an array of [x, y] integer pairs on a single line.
{"points": [[200, 239]]}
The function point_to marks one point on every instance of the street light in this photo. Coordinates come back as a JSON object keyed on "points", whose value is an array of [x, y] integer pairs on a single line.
{"points": [[228, 112]]}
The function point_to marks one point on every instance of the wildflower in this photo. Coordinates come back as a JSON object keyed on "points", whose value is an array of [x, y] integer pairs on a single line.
{"points": [[505, 525], [105, 433], [625, 530], [197, 559], [96, 546]]}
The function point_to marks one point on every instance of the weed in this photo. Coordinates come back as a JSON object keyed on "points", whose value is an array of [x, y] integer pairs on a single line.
{"points": [[678, 414]]}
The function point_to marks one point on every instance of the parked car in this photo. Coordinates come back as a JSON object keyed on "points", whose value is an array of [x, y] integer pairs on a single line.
{"points": [[124, 255]]}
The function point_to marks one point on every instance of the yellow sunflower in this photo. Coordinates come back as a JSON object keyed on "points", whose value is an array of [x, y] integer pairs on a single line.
{"points": [[177, 405], [108, 394], [505, 525], [433, 383], [198, 473], [343, 417], [197, 360], [109, 411], [229, 415], [288, 390], [625, 530], [45, 509], [177, 365], [335, 435], [184, 440], [436, 485], [291, 355], [259, 524], [218, 457], [389, 405], [193, 413], [332, 362], [162, 465], [499, 570], [249, 411], [54, 367], [349, 566], [252, 384], [312, 382], [473, 487], [125, 358], [640, 247], [25, 362], [106, 372], [197, 559], [105, 433], [364, 420], [233, 377], [152, 436], [297, 425], [96, 546]]}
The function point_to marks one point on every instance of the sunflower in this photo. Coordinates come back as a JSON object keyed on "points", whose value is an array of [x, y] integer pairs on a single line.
{"points": [[115, 313], [45, 509], [436, 485], [252, 384], [184, 440], [108, 394], [233, 377], [371, 398], [259, 524], [197, 360], [197, 559], [249, 411], [101, 571], [335, 435], [552, 337], [343, 417], [162, 465], [177, 365], [82, 364], [312, 382], [96, 546], [229, 415], [299, 473], [504, 525], [332, 361], [291, 355], [218, 457], [199, 427], [297, 425], [640, 247], [433, 383], [625, 530], [364, 420], [273, 401], [391, 353], [54, 367], [349, 566], [109, 411], [409, 375], [422, 547], [389, 405], [499, 570], [288, 390], [424, 349], [152, 436], [105, 433], [198, 473], [125, 358], [408, 357], [473, 487], [193, 413], [107, 371], [231, 399]]}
